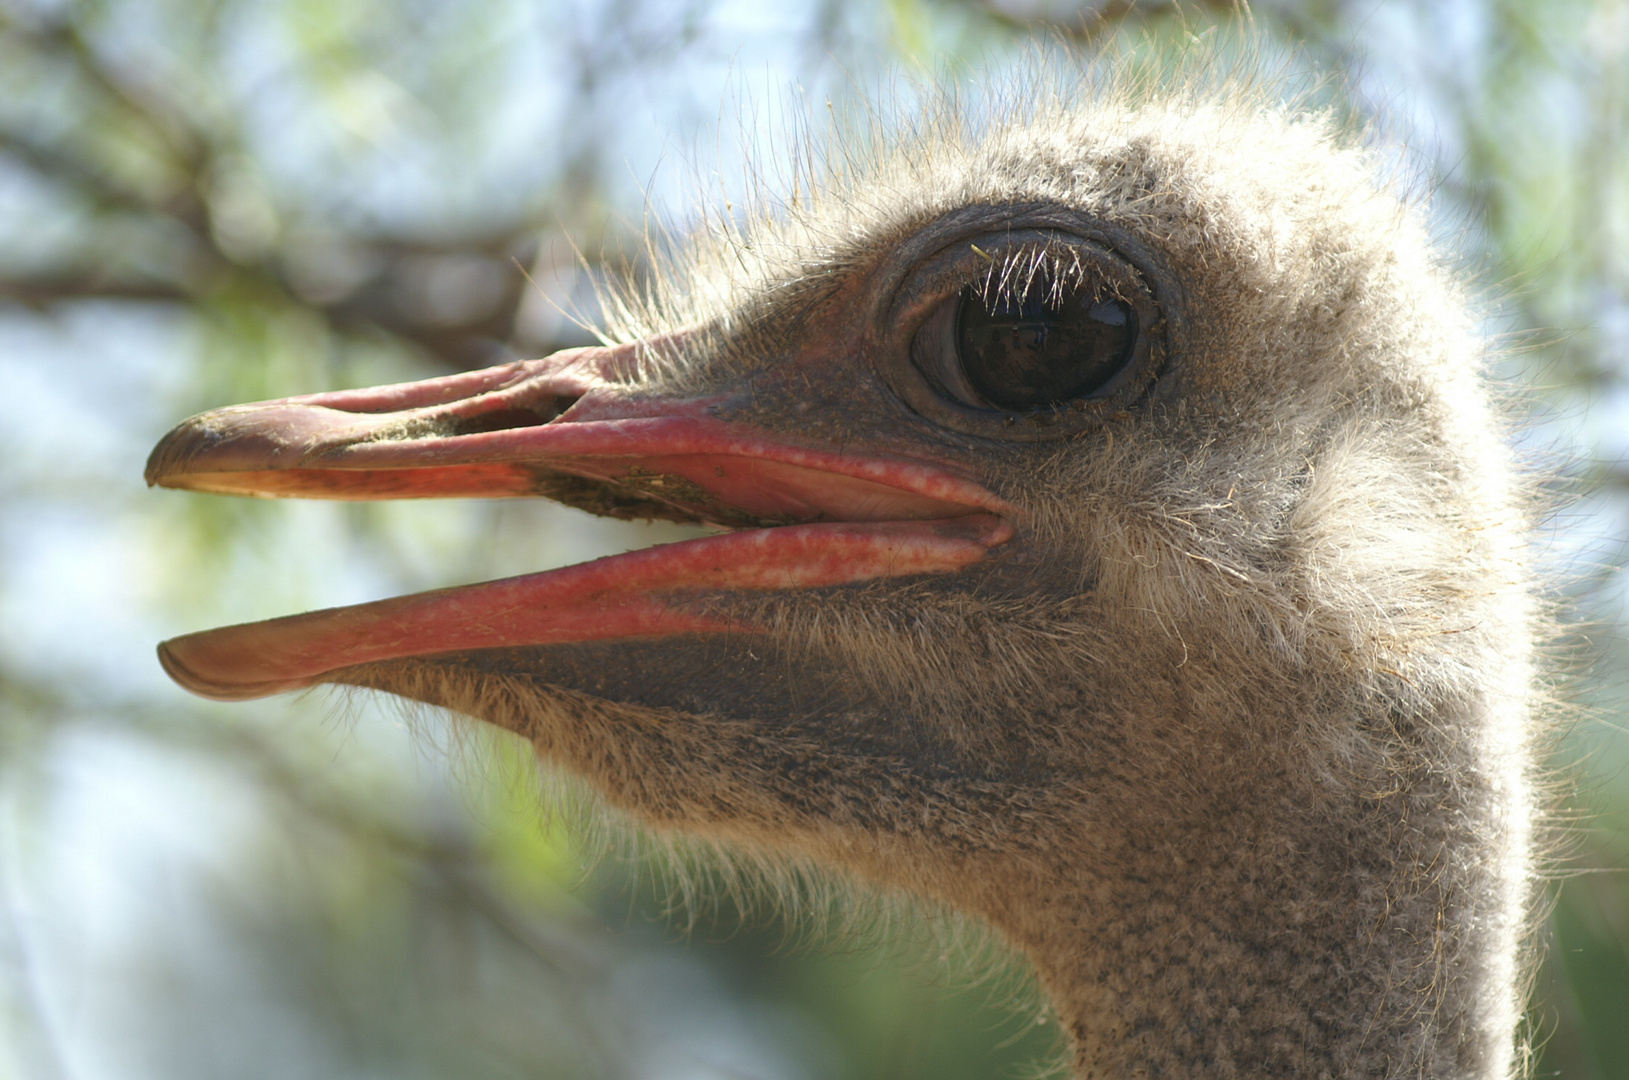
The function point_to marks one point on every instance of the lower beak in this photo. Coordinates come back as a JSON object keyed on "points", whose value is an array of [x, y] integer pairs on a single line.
{"points": [[571, 427]]}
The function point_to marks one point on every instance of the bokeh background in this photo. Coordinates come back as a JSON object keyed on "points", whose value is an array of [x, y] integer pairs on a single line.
{"points": [[212, 201]]}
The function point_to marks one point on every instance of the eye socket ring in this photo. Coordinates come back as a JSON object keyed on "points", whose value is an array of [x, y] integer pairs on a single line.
{"points": [[1063, 330]]}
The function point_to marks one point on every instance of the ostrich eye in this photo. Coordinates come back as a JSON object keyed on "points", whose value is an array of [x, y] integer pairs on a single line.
{"points": [[1041, 349], [1028, 350]]}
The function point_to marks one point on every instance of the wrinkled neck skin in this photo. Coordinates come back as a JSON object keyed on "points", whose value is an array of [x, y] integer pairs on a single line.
{"points": [[1253, 907], [1283, 876], [1248, 923]]}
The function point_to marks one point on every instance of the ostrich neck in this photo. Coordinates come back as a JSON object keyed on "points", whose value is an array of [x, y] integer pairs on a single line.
{"points": [[1244, 922]]}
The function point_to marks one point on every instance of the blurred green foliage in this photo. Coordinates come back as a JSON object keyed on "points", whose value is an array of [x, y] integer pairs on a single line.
{"points": [[238, 199]]}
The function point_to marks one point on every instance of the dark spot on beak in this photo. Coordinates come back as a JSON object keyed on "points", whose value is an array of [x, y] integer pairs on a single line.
{"points": [[509, 419]]}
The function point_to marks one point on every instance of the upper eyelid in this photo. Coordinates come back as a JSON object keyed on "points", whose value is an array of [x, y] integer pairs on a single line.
{"points": [[968, 262]]}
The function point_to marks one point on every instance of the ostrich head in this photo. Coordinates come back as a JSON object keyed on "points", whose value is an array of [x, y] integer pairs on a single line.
{"points": [[1120, 549]]}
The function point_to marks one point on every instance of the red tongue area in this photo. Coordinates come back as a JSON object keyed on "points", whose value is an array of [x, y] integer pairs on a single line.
{"points": [[648, 593]]}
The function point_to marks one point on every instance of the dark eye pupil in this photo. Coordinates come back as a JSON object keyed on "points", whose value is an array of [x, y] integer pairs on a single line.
{"points": [[1038, 349]]}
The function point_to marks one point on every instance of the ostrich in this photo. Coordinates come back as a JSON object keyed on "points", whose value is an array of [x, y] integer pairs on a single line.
{"points": [[1118, 546]]}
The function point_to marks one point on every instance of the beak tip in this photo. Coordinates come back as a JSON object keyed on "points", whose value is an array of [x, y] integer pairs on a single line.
{"points": [[168, 460], [178, 671], [185, 676]]}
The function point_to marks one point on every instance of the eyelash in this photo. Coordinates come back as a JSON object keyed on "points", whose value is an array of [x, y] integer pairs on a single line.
{"points": [[1011, 276]]}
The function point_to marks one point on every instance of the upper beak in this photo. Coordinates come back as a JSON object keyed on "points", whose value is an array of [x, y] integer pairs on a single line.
{"points": [[577, 428], [543, 427]]}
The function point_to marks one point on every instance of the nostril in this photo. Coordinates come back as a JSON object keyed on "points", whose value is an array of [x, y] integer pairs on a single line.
{"points": [[511, 418]]}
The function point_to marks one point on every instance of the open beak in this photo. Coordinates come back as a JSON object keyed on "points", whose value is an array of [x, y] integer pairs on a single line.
{"points": [[574, 428]]}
